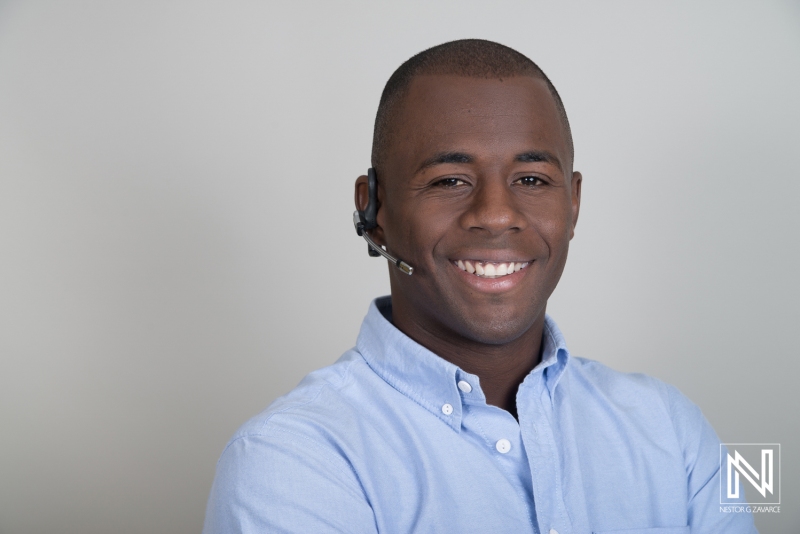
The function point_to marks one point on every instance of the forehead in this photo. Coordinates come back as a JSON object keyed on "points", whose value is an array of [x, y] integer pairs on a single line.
{"points": [[493, 118]]}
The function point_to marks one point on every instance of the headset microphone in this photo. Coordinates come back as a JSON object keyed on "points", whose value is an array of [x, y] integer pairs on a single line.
{"points": [[367, 220]]}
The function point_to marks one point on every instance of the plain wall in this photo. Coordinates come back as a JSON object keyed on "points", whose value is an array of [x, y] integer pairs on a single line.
{"points": [[176, 245]]}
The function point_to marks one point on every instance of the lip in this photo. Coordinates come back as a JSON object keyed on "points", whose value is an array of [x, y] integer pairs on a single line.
{"points": [[492, 285]]}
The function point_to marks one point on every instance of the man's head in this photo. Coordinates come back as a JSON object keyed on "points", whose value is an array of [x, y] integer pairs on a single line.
{"points": [[471, 58], [474, 162]]}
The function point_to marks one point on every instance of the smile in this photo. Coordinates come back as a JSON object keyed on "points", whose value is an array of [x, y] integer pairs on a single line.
{"points": [[490, 269]]}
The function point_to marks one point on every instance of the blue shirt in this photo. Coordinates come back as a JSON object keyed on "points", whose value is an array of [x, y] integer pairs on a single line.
{"points": [[392, 438]]}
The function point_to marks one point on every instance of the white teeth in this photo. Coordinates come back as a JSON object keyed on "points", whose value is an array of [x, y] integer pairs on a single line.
{"points": [[489, 269]]}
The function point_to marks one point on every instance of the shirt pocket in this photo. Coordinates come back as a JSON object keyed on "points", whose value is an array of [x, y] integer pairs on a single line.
{"points": [[657, 530]]}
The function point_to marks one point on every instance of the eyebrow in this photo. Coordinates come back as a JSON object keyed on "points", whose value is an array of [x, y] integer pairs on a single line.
{"points": [[535, 156], [531, 156], [445, 157]]}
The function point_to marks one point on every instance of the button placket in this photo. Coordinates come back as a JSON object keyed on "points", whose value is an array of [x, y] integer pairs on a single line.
{"points": [[542, 454]]}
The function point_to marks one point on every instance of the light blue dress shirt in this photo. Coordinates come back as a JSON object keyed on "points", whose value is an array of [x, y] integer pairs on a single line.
{"points": [[393, 439]]}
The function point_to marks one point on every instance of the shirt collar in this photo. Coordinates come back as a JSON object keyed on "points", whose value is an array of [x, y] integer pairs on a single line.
{"points": [[431, 381], [555, 355]]}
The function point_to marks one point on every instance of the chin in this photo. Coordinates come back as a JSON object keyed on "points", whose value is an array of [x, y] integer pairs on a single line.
{"points": [[496, 330]]}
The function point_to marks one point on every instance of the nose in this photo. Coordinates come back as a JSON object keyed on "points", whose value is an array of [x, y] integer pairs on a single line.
{"points": [[493, 208]]}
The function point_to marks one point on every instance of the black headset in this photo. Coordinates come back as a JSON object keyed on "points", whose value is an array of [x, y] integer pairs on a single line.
{"points": [[367, 220]]}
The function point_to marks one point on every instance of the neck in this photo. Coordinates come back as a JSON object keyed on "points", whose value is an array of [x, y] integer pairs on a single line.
{"points": [[500, 367]]}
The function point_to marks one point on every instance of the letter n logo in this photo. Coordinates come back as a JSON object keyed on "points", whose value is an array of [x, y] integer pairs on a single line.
{"points": [[758, 464]]}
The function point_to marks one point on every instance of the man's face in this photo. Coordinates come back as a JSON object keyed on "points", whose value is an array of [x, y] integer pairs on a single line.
{"points": [[477, 181]]}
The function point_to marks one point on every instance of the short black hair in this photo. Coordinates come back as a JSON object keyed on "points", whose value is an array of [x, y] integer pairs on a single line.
{"points": [[473, 58]]}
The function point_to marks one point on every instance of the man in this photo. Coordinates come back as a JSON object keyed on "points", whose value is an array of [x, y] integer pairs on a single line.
{"points": [[460, 409]]}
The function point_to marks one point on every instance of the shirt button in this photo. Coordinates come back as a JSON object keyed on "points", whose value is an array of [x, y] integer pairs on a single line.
{"points": [[503, 446], [447, 409], [464, 386]]}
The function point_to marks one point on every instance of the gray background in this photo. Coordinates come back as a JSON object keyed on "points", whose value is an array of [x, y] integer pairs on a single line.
{"points": [[176, 247]]}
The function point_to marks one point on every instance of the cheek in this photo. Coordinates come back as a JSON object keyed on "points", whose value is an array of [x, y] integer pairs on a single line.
{"points": [[425, 228], [555, 233], [399, 226], [556, 224]]}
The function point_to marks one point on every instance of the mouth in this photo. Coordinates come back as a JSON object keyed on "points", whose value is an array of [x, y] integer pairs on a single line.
{"points": [[490, 269]]}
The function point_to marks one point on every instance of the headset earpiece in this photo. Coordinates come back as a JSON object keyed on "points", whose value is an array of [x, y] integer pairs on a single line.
{"points": [[368, 217], [371, 213], [367, 220]]}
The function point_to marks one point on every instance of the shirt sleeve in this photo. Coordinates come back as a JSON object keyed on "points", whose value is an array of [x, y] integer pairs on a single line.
{"points": [[701, 452], [285, 483]]}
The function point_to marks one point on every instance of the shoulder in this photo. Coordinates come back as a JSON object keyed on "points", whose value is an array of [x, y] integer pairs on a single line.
{"points": [[298, 436], [323, 394], [644, 400], [628, 388], [641, 406], [287, 458]]}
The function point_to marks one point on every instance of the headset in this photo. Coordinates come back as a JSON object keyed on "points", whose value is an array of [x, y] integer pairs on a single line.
{"points": [[367, 220]]}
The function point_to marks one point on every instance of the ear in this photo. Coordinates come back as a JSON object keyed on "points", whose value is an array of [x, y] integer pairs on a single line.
{"points": [[362, 193], [577, 179], [361, 200]]}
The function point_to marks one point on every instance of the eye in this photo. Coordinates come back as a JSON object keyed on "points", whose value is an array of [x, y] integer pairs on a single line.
{"points": [[531, 181], [449, 182]]}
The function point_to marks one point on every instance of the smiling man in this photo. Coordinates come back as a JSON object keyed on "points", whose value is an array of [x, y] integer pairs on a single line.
{"points": [[460, 409]]}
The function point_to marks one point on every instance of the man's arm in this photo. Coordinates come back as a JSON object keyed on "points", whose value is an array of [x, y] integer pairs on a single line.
{"points": [[284, 482], [701, 453]]}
